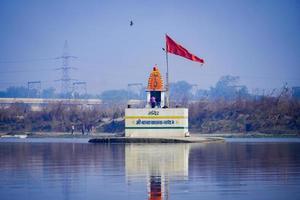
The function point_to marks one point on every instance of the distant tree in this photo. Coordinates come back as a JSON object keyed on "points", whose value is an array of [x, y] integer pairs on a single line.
{"points": [[201, 94], [32, 93], [65, 96], [48, 93], [2, 94], [114, 95], [143, 93], [16, 91], [227, 88], [180, 91], [243, 92], [296, 92], [133, 95]]}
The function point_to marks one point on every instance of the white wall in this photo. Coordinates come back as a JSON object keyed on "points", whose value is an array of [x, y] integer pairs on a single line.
{"points": [[162, 123]]}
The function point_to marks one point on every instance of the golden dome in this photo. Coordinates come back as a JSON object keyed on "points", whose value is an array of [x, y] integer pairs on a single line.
{"points": [[155, 81]]}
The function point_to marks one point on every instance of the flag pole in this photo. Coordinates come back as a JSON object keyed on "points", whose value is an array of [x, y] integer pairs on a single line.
{"points": [[167, 78]]}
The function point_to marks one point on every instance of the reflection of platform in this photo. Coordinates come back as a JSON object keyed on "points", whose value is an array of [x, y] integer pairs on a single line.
{"points": [[158, 122], [158, 164], [157, 159]]}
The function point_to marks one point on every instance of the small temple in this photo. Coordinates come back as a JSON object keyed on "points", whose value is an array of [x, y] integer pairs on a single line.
{"points": [[156, 120], [155, 90]]}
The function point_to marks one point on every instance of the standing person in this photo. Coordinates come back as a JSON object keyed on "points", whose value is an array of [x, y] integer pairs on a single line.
{"points": [[82, 129], [88, 129], [152, 102], [73, 129]]}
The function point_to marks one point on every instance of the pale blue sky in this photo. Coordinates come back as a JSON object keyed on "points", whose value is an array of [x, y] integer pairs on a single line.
{"points": [[257, 40]]}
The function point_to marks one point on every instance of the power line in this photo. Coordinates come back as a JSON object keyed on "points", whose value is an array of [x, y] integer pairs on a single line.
{"points": [[24, 82], [251, 77], [25, 70], [26, 60]]}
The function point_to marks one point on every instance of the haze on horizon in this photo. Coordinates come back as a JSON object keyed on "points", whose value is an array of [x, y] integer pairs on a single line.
{"points": [[256, 40]]}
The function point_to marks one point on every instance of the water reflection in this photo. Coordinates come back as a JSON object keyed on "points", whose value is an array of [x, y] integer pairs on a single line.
{"points": [[158, 164], [208, 171]]}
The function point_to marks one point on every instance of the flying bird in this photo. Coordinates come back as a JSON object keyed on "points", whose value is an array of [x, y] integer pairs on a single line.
{"points": [[131, 23]]}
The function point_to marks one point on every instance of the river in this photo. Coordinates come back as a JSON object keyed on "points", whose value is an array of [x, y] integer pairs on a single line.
{"points": [[74, 169]]}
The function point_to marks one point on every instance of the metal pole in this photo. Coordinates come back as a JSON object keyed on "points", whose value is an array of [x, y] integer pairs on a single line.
{"points": [[167, 78]]}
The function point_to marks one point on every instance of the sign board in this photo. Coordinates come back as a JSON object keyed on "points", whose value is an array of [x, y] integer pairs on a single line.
{"points": [[146, 122]]}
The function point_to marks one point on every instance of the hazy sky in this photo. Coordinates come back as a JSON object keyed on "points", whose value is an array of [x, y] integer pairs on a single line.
{"points": [[258, 40]]}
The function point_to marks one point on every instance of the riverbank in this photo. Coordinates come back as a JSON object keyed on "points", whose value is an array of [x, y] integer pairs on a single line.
{"points": [[58, 134], [101, 134], [248, 135], [192, 139]]}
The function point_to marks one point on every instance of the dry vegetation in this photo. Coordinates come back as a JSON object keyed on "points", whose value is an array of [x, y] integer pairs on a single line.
{"points": [[266, 115], [274, 115], [59, 118]]}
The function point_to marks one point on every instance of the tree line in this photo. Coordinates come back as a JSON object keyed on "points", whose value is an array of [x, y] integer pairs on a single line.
{"points": [[226, 88]]}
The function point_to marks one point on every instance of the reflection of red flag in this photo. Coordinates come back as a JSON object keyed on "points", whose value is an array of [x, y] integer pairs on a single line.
{"points": [[177, 49]]}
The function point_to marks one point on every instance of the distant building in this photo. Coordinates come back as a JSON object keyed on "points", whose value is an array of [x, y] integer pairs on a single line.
{"points": [[36, 104]]}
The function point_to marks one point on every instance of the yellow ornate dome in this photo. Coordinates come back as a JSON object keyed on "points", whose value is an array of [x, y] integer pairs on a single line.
{"points": [[155, 81]]}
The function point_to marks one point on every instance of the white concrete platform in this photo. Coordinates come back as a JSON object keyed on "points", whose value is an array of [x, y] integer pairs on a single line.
{"points": [[156, 122]]}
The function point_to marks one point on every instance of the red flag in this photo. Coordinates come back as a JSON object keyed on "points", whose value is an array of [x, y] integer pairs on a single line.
{"points": [[177, 49]]}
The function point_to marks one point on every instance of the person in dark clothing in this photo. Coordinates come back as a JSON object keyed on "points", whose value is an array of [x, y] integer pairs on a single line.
{"points": [[152, 102], [82, 129], [73, 129]]}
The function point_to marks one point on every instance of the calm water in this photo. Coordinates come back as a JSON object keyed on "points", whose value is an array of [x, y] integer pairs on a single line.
{"points": [[73, 169]]}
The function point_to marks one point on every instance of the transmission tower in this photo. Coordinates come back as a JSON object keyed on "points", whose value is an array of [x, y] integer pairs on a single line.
{"points": [[79, 89], [34, 89], [65, 69]]}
